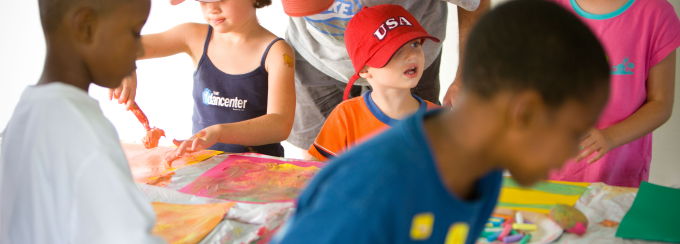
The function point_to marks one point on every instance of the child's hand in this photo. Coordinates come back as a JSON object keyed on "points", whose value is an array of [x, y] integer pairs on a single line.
{"points": [[595, 141], [126, 92], [202, 140]]}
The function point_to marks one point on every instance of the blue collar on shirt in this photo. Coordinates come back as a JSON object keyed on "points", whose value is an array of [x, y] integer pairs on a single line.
{"points": [[382, 116], [587, 15]]}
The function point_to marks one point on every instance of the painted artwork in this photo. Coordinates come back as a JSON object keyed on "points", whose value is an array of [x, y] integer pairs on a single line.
{"points": [[254, 179], [150, 167], [541, 197], [187, 224]]}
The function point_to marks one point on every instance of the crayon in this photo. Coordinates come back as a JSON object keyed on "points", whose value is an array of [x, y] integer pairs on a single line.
{"points": [[511, 239], [525, 239], [492, 219], [518, 218], [503, 216], [509, 221], [493, 224], [493, 229], [505, 232], [493, 236], [527, 227]]}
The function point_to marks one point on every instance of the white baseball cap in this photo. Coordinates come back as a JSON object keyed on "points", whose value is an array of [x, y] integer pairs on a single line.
{"points": [[175, 2]]}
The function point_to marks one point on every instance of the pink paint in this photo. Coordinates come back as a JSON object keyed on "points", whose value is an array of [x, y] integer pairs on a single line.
{"points": [[254, 179], [578, 229]]}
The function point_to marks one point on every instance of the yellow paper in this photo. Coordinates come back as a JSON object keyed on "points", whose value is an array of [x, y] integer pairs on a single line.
{"points": [[541, 197]]}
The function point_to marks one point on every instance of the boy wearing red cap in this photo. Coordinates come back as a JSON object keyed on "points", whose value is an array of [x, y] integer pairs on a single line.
{"points": [[535, 81], [317, 30], [384, 44]]}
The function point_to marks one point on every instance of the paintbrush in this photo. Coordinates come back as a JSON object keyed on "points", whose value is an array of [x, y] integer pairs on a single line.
{"points": [[152, 134]]}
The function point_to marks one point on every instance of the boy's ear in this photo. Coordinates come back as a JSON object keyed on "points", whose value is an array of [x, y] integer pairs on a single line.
{"points": [[84, 23], [363, 73], [524, 109]]}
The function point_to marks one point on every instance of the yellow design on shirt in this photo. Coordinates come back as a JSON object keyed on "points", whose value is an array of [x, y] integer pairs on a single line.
{"points": [[421, 226], [458, 233]]}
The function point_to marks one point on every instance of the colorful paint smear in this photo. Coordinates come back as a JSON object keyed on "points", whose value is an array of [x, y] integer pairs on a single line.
{"points": [[187, 224], [254, 179], [541, 197], [150, 167]]}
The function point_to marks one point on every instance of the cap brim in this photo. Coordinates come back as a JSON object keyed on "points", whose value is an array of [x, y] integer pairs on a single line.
{"points": [[386, 52], [175, 2], [301, 8]]}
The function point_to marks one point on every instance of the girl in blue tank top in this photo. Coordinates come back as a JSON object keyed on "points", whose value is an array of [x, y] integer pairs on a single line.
{"points": [[244, 89]]}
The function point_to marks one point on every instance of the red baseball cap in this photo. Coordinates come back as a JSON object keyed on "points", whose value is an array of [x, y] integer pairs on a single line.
{"points": [[376, 33], [300, 8]]}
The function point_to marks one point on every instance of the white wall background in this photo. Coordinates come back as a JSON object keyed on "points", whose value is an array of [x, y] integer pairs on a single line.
{"points": [[164, 88], [164, 85]]}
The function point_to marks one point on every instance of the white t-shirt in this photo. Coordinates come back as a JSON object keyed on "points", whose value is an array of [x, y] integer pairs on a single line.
{"points": [[64, 177]]}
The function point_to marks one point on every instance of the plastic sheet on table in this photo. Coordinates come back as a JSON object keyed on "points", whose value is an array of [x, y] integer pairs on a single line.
{"points": [[159, 194], [602, 202], [235, 231], [244, 223], [186, 175]]}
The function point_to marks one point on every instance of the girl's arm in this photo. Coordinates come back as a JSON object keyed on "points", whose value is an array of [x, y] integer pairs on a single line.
{"points": [[179, 39], [466, 20], [273, 127], [653, 113]]}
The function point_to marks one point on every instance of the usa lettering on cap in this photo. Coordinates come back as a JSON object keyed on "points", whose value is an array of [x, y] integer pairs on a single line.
{"points": [[388, 25]]}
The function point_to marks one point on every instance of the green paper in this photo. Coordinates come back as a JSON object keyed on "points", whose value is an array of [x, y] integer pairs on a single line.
{"points": [[653, 216]]}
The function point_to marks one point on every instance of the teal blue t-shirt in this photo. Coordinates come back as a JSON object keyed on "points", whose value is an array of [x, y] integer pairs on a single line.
{"points": [[388, 190]]}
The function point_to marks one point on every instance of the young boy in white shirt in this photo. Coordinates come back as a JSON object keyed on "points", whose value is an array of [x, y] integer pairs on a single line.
{"points": [[63, 175]]}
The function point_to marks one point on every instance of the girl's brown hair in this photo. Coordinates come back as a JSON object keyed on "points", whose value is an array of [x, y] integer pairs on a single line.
{"points": [[262, 3]]}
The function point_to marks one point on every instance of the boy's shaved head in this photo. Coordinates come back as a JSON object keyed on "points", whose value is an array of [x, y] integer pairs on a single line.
{"points": [[52, 11], [92, 41], [534, 45]]}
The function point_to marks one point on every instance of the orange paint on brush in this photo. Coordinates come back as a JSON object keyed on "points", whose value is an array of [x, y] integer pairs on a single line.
{"points": [[152, 134], [152, 137]]}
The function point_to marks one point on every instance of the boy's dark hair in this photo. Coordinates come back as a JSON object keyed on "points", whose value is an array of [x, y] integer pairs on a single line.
{"points": [[51, 11], [534, 45], [262, 3]]}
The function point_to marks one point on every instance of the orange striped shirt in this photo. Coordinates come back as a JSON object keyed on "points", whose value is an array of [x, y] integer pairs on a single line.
{"points": [[351, 122]]}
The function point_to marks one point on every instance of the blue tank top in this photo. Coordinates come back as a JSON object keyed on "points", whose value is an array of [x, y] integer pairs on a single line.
{"points": [[221, 98]]}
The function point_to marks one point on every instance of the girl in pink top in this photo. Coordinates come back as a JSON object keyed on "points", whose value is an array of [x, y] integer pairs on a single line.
{"points": [[640, 38]]}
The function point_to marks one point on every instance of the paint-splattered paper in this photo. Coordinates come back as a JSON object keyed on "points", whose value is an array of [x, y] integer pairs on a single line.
{"points": [[187, 224], [254, 179], [541, 197], [149, 166]]}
